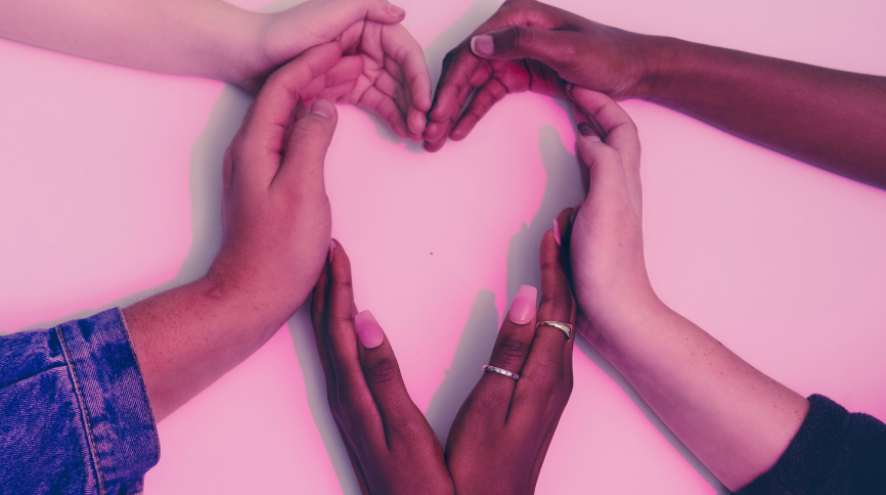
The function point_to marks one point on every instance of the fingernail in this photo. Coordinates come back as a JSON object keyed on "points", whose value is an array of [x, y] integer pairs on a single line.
{"points": [[323, 108], [523, 307], [569, 87], [557, 232], [482, 45], [396, 11], [331, 250], [587, 131], [368, 330]]}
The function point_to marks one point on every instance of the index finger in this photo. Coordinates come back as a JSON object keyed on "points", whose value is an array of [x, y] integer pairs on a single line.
{"points": [[458, 69]]}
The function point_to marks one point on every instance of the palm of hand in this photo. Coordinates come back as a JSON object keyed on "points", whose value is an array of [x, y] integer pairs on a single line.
{"points": [[394, 83]]}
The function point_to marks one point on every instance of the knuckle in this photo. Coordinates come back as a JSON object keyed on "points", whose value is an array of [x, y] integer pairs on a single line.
{"points": [[511, 350], [383, 371], [520, 37]]}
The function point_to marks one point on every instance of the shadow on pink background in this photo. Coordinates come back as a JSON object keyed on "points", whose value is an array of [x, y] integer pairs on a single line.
{"points": [[111, 192]]}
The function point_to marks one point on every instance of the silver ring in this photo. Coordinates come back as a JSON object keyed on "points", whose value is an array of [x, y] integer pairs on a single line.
{"points": [[501, 371], [566, 328]]}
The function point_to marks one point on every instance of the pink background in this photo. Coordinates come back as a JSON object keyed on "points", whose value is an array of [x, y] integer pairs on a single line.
{"points": [[110, 193]]}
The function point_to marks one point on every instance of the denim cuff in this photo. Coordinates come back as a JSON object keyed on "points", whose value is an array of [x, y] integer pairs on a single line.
{"points": [[114, 406]]}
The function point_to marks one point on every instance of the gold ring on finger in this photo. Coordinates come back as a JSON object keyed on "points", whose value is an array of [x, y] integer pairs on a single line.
{"points": [[566, 328]]}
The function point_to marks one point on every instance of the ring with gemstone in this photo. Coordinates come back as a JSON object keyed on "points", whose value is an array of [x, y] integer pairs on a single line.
{"points": [[566, 328], [500, 371]]}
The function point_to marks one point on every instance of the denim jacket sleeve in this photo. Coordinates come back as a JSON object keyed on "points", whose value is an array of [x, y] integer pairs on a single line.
{"points": [[74, 414]]}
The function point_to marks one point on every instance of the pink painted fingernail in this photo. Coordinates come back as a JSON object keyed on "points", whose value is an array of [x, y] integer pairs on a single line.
{"points": [[323, 108], [557, 232], [569, 87], [483, 45], [331, 250], [368, 330], [523, 307]]}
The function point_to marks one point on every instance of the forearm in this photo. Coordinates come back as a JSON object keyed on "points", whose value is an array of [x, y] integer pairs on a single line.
{"points": [[828, 118], [204, 38], [734, 418], [188, 337]]}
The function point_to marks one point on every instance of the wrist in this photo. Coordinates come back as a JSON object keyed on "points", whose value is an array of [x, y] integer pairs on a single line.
{"points": [[660, 55], [246, 56], [608, 321]]}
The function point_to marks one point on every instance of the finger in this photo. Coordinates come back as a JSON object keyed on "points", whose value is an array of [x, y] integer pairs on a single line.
{"points": [[402, 47], [353, 405], [564, 222], [509, 353], [620, 132], [399, 414], [260, 140], [384, 12], [480, 76], [488, 94], [355, 462], [544, 384], [333, 16], [305, 152], [320, 320], [607, 174], [433, 146], [554, 48], [383, 106], [458, 69]]}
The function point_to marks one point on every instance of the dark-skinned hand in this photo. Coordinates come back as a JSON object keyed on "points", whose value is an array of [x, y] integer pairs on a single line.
{"points": [[500, 436], [531, 46], [391, 445]]}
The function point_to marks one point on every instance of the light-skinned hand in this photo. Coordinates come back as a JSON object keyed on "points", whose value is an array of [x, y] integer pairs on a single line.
{"points": [[606, 240]]}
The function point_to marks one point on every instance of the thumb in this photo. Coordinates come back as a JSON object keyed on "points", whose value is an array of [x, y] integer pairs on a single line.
{"points": [[552, 48], [348, 12], [305, 149], [605, 169], [384, 12]]}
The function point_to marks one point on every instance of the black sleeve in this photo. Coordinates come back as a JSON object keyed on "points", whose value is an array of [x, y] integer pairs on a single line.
{"points": [[834, 452]]}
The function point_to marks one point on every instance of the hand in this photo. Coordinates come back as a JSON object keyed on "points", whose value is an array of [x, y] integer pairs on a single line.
{"points": [[532, 46], [395, 84], [501, 434], [606, 241], [276, 214], [391, 446]]}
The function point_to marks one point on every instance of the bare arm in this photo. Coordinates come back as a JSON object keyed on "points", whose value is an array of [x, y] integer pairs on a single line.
{"points": [[828, 118], [737, 420], [832, 119], [277, 228], [205, 38]]}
